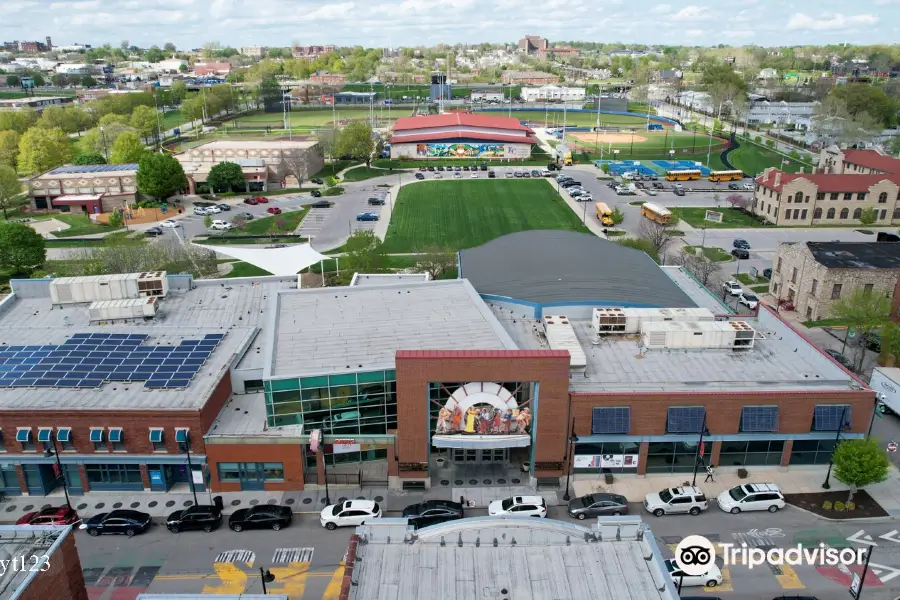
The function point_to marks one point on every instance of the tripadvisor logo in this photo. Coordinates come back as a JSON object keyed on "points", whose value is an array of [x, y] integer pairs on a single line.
{"points": [[695, 554]]}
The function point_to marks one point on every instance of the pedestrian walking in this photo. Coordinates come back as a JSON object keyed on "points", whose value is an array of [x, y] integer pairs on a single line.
{"points": [[710, 475]]}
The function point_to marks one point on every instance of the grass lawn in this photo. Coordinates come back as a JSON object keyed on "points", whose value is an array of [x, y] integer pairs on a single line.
{"points": [[712, 253], [748, 279], [335, 190], [113, 238], [363, 173], [318, 117], [554, 118], [242, 269], [79, 225], [463, 214], [759, 289], [753, 159], [731, 218], [289, 221], [172, 118], [331, 168]]}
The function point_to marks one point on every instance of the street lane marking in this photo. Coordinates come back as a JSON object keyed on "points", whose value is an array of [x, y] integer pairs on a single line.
{"points": [[725, 586], [293, 555], [861, 537], [884, 573], [890, 536], [233, 580], [290, 580], [788, 579], [234, 556], [333, 589]]}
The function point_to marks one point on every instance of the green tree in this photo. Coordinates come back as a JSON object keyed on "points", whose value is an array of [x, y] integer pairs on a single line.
{"points": [[89, 158], [363, 253], [356, 140], [128, 148], [116, 219], [192, 108], [436, 261], [13, 81], [17, 120], [112, 119], [60, 80], [21, 248], [239, 222], [269, 92], [101, 142], [864, 311], [154, 54], [858, 463], [865, 98], [207, 221], [9, 147], [160, 175], [642, 244], [57, 116], [868, 216], [88, 81], [144, 120], [617, 216], [224, 176], [169, 47], [179, 91], [42, 149], [9, 187]]}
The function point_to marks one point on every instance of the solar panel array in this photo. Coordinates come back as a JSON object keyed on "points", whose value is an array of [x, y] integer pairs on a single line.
{"points": [[87, 360], [75, 169]]}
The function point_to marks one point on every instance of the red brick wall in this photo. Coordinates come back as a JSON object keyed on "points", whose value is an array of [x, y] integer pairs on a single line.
{"points": [[213, 406], [63, 580], [288, 454], [895, 303], [416, 369]]}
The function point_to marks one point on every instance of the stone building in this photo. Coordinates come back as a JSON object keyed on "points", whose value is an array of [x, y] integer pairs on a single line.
{"points": [[814, 275], [835, 160]]}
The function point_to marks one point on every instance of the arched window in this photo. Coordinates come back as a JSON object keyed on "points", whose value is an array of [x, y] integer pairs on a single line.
{"points": [[817, 214], [857, 213], [830, 214], [845, 212], [882, 198], [798, 197]]}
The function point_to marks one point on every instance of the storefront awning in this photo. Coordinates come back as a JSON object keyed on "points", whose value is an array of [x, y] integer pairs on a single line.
{"points": [[479, 442]]}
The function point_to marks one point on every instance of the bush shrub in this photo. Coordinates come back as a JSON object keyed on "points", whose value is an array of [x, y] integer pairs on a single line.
{"points": [[770, 143], [827, 505], [758, 139], [839, 506], [851, 506], [794, 154]]}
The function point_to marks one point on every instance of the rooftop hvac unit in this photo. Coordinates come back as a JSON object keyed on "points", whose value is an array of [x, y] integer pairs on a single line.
{"points": [[608, 320], [124, 286], [697, 335], [561, 336], [631, 320], [115, 310], [153, 283]]}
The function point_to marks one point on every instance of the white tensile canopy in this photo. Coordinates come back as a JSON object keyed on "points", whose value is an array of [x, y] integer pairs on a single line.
{"points": [[277, 261]]}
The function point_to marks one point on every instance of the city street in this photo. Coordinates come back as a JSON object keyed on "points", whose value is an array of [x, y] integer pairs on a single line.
{"points": [[305, 558]]}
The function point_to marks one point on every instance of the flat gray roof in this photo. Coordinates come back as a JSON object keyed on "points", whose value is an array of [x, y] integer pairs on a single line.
{"points": [[350, 329], [382, 279], [538, 559], [700, 295], [783, 360], [551, 266], [244, 415], [27, 541]]}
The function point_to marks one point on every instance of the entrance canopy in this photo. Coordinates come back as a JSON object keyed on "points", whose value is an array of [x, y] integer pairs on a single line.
{"points": [[481, 442], [277, 261]]}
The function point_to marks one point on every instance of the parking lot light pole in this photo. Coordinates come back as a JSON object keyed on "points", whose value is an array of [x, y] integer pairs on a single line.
{"points": [[572, 440], [837, 438], [187, 449], [55, 452]]}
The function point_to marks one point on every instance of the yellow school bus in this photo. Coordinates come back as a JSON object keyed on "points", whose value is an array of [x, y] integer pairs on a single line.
{"points": [[604, 214], [685, 175], [656, 213], [725, 175]]}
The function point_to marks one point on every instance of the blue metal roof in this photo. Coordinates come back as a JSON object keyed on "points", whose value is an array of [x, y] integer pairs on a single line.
{"points": [[72, 169]]}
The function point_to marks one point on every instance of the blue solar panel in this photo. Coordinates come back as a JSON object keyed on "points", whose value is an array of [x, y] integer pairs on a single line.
{"points": [[90, 383], [46, 382], [99, 336], [68, 382], [178, 383], [755, 419], [78, 354], [5, 383], [827, 417], [136, 362], [213, 336], [33, 348], [79, 336], [685, 419], [189, 343], [23, 382], [16, 348], [172, 363], [166, 369], [120, 354], [155, 385], [74, 169]]}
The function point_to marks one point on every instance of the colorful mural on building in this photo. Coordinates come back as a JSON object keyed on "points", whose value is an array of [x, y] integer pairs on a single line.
{"points": [[483, 408], [460, 150]]}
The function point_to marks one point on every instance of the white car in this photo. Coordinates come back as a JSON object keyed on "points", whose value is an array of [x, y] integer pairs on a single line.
{"points": [[169, 223], [751, 496], [199, 210], [711, 578], [351, 513], [733, 288], [213, 210], [519, 506], [474, 176], [546, 172], [672, 501], [509, 173], [650, 192], [220, 225], [749, 300], [438, 176], [749, 186], [457, 175]]}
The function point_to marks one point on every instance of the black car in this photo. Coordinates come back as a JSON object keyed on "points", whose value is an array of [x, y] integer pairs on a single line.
{"points": [[261, 516], [595, 505], [432, 512], [577, 182], [223, 207], [465, 167], [654, 177], [739, 243], [316, 194], [420, 176], [423, 168], [551, 166], [121, 522], [321, 204], [612, 184], [440, 168], [733, 186], [428, 168], [767, 273], [839, 357], [491, 175], [678, 191], [658, 184], [484, 167], [376, 201], [245, 216], [740, 253], [203, 517], [317, 180], [153, 232]]}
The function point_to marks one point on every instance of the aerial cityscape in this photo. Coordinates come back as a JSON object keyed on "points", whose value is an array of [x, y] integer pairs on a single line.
{"points": [[334, 301]]}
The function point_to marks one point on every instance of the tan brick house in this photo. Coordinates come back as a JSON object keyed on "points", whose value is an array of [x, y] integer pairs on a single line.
{"points": [[813, 275], [834, 160]]}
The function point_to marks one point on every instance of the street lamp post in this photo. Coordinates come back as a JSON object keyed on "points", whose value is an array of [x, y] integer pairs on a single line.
{"points": [[837, 438], [699, 454], [266, 577], [187, 449], [54, 451], [572, 440]]}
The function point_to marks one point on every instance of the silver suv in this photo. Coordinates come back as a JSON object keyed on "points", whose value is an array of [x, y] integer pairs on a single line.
{"points": [[676, 500]]}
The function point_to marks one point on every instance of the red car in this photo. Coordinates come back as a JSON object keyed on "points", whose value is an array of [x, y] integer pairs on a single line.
{"points": [[274, 211], [56, 515], [262, 200], [251, 201]]}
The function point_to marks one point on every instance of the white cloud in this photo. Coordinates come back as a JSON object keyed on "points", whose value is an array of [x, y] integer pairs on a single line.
{"points": [[886, 2], [661, 8], [692, 13], [694, 33], [829, 22]]}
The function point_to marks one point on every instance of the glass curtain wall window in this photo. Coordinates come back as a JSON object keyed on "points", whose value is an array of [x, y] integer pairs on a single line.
{"points": [[743, 453], [812, 452], [607, 448], [671, 457]]}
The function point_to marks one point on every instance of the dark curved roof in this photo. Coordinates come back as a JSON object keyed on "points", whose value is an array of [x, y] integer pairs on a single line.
{"points": [[552, 266]]}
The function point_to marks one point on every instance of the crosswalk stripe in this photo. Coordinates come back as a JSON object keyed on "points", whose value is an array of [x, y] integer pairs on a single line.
{"points": [[293, 555], [235, 556]]}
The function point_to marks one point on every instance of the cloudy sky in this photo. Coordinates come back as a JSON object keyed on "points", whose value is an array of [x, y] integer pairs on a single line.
{"points": [[390, 23]]}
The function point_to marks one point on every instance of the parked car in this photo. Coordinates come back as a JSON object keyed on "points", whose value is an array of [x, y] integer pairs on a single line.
{"points": [[351, 513], [733, 186], [484, 167], [251, 201], [321, 204], [658, 185], [751, 496], [153, 231], [223, 207], [171, 223], [197, 517], [430, 168], [711, 578], [465, 167], [262, 200], [376, 201], [767, 273], [740, 253], [492, 175], [612, 184], [678, 191], [367, 216], [316, 194], [220, 225], [424, 168], [650, 192], [55, 515], [201, 211], [440, 168], [244, 215], [575, 192], [733, 288], [509, 173], [749, 186], [438, 176], [535, 173], [522, 506], [433, 512], [749, 300], [840, 358], [654, 178], [317, 180], [739, 243], [213, 210], [261, 516], [457, 176], [117, 522], [420, 176], [678, 500], [456, 168], [474, 175], [597, 505]]}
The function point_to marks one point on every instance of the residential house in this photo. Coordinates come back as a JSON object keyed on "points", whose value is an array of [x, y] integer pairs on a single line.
{"points": [[667, 76], [310, 52], [253, 51], [798, 114]]}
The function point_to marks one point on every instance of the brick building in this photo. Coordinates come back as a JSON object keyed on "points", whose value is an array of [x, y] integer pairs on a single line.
{"points": [[533, 44], [220, 69], [814, 275], [114, 184], [61, 578], [461, 135], [528, 78], [326, 78], [310, 52]]}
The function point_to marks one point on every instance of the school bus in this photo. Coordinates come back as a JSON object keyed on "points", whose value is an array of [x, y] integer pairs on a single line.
{"points": [[604, 214], [656, 213], [725, 175], [685, 175]]}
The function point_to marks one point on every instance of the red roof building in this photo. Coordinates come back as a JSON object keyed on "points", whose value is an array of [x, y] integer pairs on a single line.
{"points": [[835, 160], [461, 135]]}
